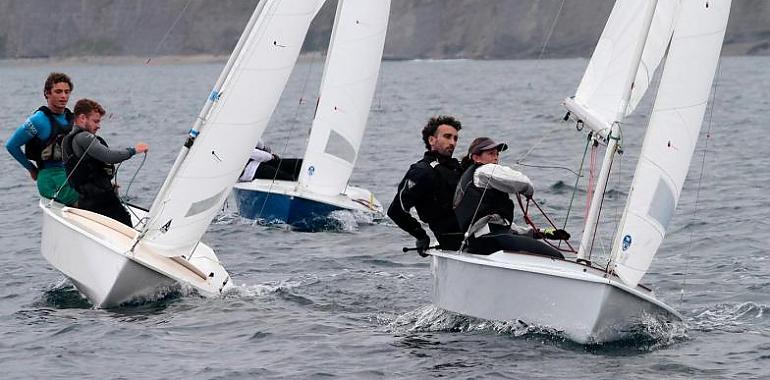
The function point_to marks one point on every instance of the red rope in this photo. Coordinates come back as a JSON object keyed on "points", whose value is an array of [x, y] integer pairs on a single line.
{"points": [[528, 220]]}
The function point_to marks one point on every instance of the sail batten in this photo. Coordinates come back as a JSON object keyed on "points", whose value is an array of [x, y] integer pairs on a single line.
{"points": [[347, 88], [232, 121], [671, 136]]}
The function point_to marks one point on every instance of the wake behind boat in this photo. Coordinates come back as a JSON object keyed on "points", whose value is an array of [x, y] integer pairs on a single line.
{"points": [[589, 304], [347, 88]]}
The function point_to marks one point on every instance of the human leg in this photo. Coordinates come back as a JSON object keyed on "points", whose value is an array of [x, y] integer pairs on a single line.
{"points": [[49, 181]]}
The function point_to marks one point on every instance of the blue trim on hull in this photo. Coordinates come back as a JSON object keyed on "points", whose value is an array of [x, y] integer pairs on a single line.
{"points": [[300, 213]]}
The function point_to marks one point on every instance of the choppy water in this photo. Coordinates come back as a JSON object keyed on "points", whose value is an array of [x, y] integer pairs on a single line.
{"points": [[349, 304]]}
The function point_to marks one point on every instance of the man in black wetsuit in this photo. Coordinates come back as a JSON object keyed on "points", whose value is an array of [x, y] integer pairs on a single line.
{"points": [[429, 186], [90, 163]]}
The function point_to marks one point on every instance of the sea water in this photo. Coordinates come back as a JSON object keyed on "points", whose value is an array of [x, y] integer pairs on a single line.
{"points": [[348, 303]]}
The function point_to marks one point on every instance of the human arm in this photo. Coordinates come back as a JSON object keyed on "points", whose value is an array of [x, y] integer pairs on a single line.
{"points": [[21, 136], [259, 155], [86, 142], [411, 190], [504, 179]]}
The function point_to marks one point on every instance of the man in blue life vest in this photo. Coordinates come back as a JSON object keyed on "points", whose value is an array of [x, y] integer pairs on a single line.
{"points": [[429, 186], [41, 136], [90, 163]]}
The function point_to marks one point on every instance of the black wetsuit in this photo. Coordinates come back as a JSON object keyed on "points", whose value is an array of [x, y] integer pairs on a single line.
{"points": [[473, 203], [92, 175], [429, 186]]}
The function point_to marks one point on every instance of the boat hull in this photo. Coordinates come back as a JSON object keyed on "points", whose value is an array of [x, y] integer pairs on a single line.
{"points": [[283, 202], [582, 302], [93, 251]]}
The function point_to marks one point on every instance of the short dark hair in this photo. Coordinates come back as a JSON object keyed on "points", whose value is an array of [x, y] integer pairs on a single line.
{"points": [[54, 78], [434, 123], [86, 106]]}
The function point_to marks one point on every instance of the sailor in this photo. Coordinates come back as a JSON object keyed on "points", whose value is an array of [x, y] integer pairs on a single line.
{"points": [[41, 136], [485, 210], [265, 164], [90, 163], [429, 186]]}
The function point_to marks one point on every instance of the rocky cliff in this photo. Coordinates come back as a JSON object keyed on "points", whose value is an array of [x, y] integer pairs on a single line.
{"points": [[418, 28]]}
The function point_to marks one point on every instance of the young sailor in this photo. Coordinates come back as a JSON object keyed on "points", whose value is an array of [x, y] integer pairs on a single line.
{"points": [[484, 208], [90, 163], [429, 185], [41, 136]]}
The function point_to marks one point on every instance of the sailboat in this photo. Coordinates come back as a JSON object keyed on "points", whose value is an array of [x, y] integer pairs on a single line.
{"points": [[111, 263], [347, 87], [587, 303]]}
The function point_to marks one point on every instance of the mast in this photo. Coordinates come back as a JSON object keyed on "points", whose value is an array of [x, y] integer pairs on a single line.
{"points": [[613, 136], [201, 119]]}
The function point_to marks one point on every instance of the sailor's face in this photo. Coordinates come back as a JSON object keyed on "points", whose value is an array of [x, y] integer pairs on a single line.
{"points": [[91, 122], [444, 140], [487, 156], [58, 97]]}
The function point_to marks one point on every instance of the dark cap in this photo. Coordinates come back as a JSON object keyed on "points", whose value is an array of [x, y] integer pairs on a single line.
{"points": [[481, 144]]}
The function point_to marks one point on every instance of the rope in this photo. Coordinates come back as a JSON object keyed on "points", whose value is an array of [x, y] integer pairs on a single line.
{"points": [[528, 220], [56, 194], [286, 141], [162, 40], [548, 36], [700, 181], [125, 198], [577, 181]]}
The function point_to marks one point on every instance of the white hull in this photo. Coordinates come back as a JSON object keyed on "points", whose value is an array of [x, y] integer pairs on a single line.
{"points": [[94, 252], [586, 304]]}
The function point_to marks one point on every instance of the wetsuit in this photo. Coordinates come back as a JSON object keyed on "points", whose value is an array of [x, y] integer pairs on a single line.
{"points": [[92, 175], [429, 186], [40, 135], [487, 212]]}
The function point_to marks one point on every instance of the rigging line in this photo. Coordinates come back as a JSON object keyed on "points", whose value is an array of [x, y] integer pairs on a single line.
{"points": [[537, 143], [549, 167], [305, 82], [700, 181], [548, 36], [599, 214], [56, 194], [577, 181], [168, 32], [141, 164]]}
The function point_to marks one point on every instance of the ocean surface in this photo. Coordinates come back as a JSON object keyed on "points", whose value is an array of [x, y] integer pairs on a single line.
{"points": [[348, 303]]}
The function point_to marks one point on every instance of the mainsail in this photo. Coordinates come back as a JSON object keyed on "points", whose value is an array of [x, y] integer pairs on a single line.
{"points": [[600, 99], [240, 108], [671, 135], [347, 87]]}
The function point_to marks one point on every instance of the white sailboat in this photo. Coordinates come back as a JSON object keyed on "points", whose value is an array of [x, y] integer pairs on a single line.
{"points": [[347, 88], [590, 304], [111, 263]]}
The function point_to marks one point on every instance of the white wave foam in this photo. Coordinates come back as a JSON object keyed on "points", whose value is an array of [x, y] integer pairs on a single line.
{"points": [[731, 317]]}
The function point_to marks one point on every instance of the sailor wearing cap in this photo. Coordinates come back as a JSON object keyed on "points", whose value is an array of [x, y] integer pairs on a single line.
{"points": [[484, 208]]}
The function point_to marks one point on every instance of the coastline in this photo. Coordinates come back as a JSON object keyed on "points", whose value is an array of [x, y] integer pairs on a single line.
{"points": [[133, 60]]}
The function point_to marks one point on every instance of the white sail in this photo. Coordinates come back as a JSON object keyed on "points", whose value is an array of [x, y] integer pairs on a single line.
{"points": [[600, 99], [671, 135], [240, 110], [347, 87]]}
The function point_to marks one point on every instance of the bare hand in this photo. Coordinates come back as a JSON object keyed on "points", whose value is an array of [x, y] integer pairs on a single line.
{"points": [[33, 174], [142, 147]]}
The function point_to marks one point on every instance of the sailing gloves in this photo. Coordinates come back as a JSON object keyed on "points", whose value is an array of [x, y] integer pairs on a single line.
{"points": [[422, 244], [551, 233]]}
